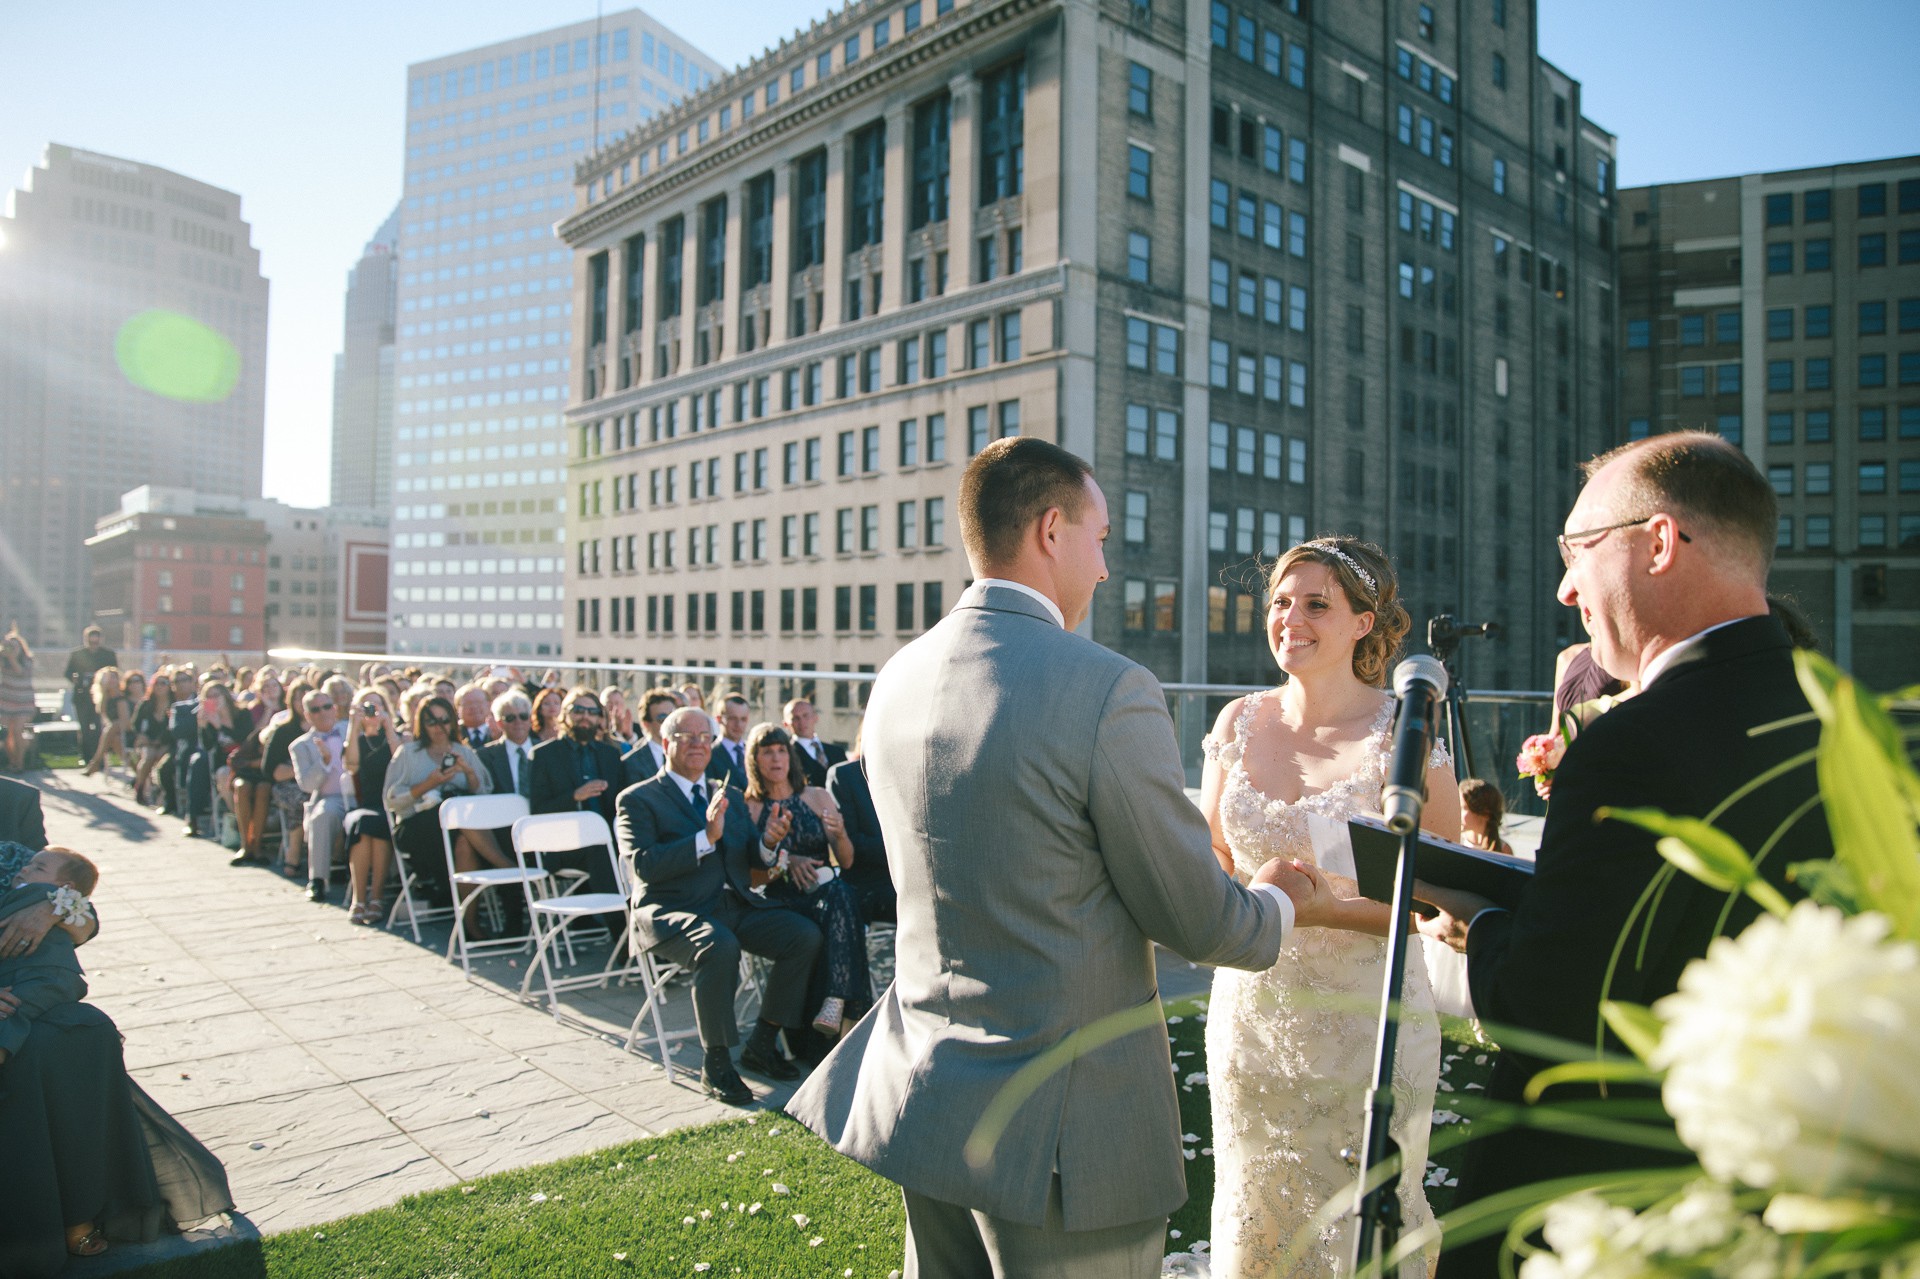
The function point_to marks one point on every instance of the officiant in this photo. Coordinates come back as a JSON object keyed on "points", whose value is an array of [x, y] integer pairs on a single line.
{"points": [[1666, 552]]}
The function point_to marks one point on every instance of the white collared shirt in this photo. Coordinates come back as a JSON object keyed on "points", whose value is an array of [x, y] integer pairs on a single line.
{"points": [[519, 756], [1053, 610], [701, 844], [1654, 669]]}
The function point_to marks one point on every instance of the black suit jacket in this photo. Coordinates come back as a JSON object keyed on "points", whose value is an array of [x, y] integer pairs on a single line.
{"points": [[21, 820], [659, 829], [816, 771], [639, 764], [722, 763], [1680, 746], [494, 756], [847, 783], [556, 775]]}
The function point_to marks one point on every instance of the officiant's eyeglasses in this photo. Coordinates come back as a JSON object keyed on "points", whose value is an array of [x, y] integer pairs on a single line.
{"points": [[1571, 543], [693, 739]]}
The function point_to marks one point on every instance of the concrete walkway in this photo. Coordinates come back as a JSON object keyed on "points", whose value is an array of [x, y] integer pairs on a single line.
{"points": [[333, 1068]]}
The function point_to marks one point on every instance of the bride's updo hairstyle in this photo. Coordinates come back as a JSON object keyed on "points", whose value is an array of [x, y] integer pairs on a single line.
{"points": [[1366, 575]]}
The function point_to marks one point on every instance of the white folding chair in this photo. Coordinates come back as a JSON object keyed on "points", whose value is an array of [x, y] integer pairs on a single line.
{"points": [[565, 832], [408, 876], [484, 812]]}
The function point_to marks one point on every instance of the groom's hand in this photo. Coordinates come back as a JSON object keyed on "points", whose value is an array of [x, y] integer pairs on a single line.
{"points": [[1306, 886]]}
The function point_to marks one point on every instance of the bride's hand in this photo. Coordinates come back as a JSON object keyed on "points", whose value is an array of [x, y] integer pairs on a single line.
{"points": [[1306, 885]]}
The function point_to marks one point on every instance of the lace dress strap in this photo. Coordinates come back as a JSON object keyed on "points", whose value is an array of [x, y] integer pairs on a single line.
{"points": [[1227, 753]]}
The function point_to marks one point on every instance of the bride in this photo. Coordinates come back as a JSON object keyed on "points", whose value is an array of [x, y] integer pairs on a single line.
{"points": [[1290, 1051]]}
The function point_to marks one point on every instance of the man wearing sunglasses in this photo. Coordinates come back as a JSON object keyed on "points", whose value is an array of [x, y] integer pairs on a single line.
{"points": [[580, 772], [1667, 551], [509, 758]]}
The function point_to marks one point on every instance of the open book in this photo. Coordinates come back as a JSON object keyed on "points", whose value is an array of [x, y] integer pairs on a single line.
{"points": [[1376, 852]]}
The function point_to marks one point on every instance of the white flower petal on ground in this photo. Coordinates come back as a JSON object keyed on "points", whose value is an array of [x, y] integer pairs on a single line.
{"points": [[815, 1242], [1789, 1054], [752, 1209], [779, 1189], [536, 1198], [686, 1221], [801, 1219]]}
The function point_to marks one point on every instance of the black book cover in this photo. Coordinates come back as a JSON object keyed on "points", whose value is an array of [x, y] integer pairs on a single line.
{"points": [[1376, 852]]}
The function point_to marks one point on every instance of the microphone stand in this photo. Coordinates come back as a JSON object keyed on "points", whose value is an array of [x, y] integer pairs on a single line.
{"points": [[1378, 1203]]}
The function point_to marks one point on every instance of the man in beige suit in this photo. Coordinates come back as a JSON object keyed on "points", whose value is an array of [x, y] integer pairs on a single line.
{"points": [[1030, 790]]}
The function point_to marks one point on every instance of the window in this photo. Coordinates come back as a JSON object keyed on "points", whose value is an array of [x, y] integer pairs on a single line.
{"points": [[1693, 380], [1819, 373], [1779, 428], [1140, 90], [1134, 522], [931, 161], [1728, 426], [867, 187], [1873, 249], [979, 345], [1873, 318], [978, 426], [1139, 172], [1909, 478], [1219, 203], [1819, 426], [1780, 258], [1726, 328], [1219, 282], [1779, 375], [1873, 371], [1499, 176], [1270, 148], [1910, 368], [935, 525], [1726, 379], [1639, 332], [1693, 330], [1909, 247], [1783, 533], [1139, 337], [1818, 255], [1499, 71], [1139, 257], [1002, 133], [1873, 423], [1010, 336], [1780, 324], [1819, 532], [1218, 27], [1780, 210], [1219, 361], [1873, 530], [1817, 206], [1819, 478], [937, 353], [1873, 199]]}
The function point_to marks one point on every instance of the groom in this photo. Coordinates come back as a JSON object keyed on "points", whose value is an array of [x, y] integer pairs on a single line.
{"points": [[1029, 787]]}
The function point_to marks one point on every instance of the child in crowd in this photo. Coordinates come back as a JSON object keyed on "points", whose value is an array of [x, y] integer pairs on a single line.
{"points": [[50, 975]]}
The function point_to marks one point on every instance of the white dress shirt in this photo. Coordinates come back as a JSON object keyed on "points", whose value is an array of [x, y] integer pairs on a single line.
{"points": [[1053, 610], [518, 757], [701, 844]]}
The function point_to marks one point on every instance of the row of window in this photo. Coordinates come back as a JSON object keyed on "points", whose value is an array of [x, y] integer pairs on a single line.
{"points": [[1872, 421], [1872, 372], [1253, 218], [1263, 47], [1260, 141], [475, 594], [1870, 201], [1245, 531], [855, 608], [1271, 378], [1817, 252], [1870, 531], [200, 635], [1267, 454], [1872, 477], [1257, 297], [919, 524]]}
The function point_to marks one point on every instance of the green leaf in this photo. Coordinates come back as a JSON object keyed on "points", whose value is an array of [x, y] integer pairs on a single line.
{"points": [[1871, 793], [1589, 1072], [1639, 1029], [1710, 855]]}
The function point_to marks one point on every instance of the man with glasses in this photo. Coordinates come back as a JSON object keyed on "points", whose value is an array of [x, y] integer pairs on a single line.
{"points": [[509, 758], [649, 754], [319, 767], [1667, 551], [692, 845]]}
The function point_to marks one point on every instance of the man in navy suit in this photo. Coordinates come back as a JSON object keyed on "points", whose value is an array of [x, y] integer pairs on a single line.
{"points": [[871, 881], [693, 852], [649, 754], [730, 752], [815, 756]]}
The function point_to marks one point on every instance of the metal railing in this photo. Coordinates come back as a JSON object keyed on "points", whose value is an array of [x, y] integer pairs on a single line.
{"points": [[1497, 720]]}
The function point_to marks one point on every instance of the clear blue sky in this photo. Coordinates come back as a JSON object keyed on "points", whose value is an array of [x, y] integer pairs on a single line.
{"points": [[298, 107]]}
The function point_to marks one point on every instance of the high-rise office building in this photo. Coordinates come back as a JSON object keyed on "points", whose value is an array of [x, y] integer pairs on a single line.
{"points": [[363, 377], [1275, 269], [1783, 311], [135, 318], [493, 135]]}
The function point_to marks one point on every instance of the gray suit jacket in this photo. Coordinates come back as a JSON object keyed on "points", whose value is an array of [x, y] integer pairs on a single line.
{"points": [[1030, 790]]}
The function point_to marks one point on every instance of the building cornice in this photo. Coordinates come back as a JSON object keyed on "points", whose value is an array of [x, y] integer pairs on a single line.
{"points": [[964, 25]]}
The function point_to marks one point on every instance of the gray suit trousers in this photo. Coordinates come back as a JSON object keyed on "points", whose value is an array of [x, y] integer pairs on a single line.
{"points": [[325, 824], [709, 944], [946, 1241]]}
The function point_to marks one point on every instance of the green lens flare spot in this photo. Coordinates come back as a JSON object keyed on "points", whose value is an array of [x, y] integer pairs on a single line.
{"points": [[176, 356]]}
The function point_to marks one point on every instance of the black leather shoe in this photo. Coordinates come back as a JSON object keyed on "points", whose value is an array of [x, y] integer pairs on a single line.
{"points": [[774, 1065], [316, 890], [723, 1083]]}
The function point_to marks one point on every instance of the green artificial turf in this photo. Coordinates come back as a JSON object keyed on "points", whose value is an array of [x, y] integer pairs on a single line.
{"points": [[626, 1210]]}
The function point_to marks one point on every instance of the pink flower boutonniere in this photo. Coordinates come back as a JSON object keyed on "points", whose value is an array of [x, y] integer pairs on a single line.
{"points": [[1539, 756]]}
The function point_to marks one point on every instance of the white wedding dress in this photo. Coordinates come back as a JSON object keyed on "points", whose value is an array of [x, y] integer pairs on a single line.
{"points": [[1290, 1051]]}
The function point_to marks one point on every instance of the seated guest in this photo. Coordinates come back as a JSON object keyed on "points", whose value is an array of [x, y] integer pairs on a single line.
{"points": [[369, 835], [431, 767], [509, 758], [150, 732], [868, 876], [815, 756], [48, 975], [802, 872], [580, 773], [320, 767], [549, 721], [252, 792], [276, 761], [649, 754], [115, 718], [220, 724], [693, 854], [1482, 808], [476, 730], [620, 729], [21, 821], [730, 752]]}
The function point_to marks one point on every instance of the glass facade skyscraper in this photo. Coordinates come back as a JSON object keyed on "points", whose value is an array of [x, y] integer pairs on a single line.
{"points": [[482, 358]]}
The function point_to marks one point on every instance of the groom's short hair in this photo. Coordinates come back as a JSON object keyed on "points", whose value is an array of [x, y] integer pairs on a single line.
{"points": [[1009, 485]]}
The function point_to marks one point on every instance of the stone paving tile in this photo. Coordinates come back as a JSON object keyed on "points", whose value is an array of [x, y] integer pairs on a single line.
{"points": [[307, 1122], [572, 1125], [443, 1094], [191, 1040], [307, 1189], [439, 1043], [235, 1077]]}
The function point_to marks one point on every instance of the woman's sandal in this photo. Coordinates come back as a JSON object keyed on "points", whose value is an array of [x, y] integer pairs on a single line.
{"points": [[90, 1243]]}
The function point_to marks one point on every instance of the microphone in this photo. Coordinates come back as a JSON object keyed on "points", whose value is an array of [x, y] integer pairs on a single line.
{"points": [[1420, 683]]}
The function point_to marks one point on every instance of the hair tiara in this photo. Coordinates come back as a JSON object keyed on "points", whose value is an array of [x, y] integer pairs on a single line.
{"points": [[1328, 548]]}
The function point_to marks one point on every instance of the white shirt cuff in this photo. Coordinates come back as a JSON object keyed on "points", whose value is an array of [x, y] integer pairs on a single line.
{"points": [[1284, 902], [701, 844]]}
